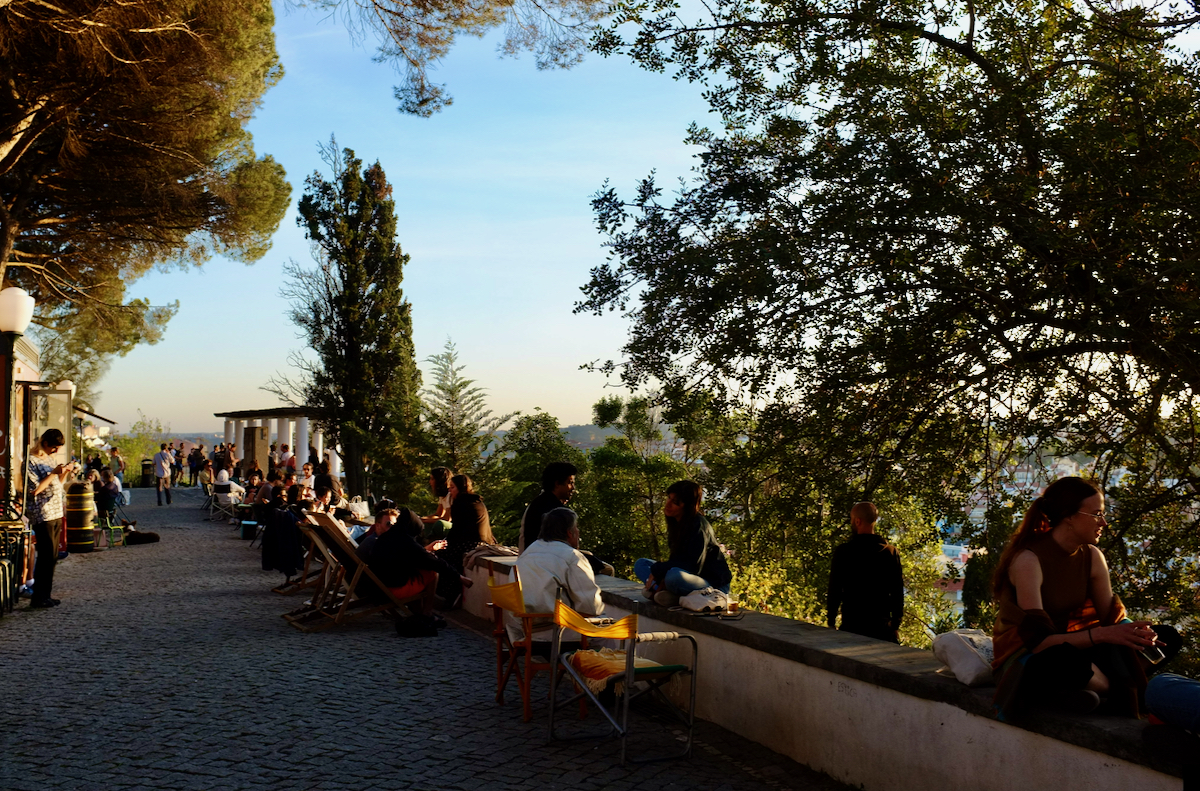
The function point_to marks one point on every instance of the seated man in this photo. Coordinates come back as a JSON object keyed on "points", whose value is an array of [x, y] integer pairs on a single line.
{"points": [[400, 562], [554, 560]]}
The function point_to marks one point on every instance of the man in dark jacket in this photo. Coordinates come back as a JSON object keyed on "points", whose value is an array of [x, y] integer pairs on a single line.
{"points": [[866, 581], [558, 484], [400, 562]]}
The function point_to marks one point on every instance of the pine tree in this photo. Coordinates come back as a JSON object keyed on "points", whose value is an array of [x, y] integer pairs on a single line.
{"points": [[365, 384], [459, 422]]}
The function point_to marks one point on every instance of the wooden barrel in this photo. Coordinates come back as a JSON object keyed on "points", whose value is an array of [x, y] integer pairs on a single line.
{"points": [[81, 536]]}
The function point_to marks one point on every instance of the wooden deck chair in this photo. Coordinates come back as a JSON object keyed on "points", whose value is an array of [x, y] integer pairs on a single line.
{"points": [[509, 654], [351, 590], [578, 665]]}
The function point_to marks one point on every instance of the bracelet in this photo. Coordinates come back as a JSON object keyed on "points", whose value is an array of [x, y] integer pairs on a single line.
{"points": [[1091, 637]]}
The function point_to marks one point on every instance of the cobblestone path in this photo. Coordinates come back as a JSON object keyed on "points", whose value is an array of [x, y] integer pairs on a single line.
{"points": [[168, 666]]}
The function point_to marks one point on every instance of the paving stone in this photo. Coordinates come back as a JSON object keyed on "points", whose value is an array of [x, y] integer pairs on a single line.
{"points": [[168, 666]]}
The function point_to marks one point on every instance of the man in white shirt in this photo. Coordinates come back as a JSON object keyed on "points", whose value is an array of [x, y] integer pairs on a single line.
{"points": [[551, 562], [162, 472]]}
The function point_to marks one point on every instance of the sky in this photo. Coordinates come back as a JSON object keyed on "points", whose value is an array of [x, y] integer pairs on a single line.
{"points": [[493, 203]]}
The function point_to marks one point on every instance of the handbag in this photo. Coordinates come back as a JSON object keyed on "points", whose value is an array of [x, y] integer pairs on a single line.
{"points": [[968, 654], [359, 508], [705, 600]]}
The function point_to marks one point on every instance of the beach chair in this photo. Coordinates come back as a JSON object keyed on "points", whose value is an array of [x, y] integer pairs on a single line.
{"points": [[509, 654], [347, 590], [207, 488], [595, 671]]}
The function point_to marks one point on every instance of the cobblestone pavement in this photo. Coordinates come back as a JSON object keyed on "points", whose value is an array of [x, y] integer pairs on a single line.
{"points": [[168, 666]]}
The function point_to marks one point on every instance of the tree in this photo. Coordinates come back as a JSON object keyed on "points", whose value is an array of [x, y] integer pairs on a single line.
{"points": [[142, 441], [415, 36], [515, 477], [925, 223], [364, 383], [459, 422], [123, 146]]}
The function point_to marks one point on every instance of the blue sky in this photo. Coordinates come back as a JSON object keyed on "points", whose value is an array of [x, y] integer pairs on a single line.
{"points": [[492, 196]]}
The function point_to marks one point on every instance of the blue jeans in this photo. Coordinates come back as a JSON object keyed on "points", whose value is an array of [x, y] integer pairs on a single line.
{"points": [[1175, 700], [677, 581]]}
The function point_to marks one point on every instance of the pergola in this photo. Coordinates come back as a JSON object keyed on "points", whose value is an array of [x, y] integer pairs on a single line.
{"points": [[291, 427]]}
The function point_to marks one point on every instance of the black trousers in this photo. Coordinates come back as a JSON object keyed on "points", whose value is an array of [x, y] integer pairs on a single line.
{"points": [[46, 535]]}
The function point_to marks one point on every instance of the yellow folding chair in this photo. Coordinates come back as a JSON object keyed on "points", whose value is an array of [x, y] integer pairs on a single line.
{"points": [[508, 654], [602, 669]]}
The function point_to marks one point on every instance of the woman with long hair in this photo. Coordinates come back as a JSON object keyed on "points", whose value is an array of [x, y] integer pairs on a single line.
{"points": [[439, 484], [697, 560], [44, 509], [470, 527], [1061, 634]]}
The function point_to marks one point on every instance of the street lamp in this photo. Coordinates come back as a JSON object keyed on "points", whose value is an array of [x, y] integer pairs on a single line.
{"points": [[16, 311]]}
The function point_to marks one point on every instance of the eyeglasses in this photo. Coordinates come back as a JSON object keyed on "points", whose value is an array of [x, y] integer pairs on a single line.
{"points": [[1098, 516]]}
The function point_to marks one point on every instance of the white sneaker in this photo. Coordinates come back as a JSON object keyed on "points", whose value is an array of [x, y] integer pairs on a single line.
{"points": [[706, 600]]}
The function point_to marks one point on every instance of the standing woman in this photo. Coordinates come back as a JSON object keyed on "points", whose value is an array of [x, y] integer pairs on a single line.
{"points": [[44, 510], [1061, 635], [470, 527], [697, 560]]}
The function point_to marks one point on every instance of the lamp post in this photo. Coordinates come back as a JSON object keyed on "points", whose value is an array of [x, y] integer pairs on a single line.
{"points": [[16, 311]]}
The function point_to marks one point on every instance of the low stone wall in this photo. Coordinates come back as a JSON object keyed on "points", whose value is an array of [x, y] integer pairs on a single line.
{"points": [[874, 714]]}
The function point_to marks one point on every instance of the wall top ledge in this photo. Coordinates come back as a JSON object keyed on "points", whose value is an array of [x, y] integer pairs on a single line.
{"points": [[910, 671]]}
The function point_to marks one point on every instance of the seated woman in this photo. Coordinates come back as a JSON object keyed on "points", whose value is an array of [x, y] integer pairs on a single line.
{"points": [[106, 495], [439, 520], [470, 527], [697, 561], [1061, 634], [206, 474], [401, 563]]}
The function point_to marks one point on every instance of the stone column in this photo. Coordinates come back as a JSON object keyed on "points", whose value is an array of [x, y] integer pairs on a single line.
{"points": [[301, 449], [280, 431], [335, 463], [228, 432], [319, 444]]}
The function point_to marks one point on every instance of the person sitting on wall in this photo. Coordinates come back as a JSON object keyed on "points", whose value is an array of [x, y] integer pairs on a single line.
{"points": [[558, 484], [1061, 634], [439, 521], [551, 564], [697, 560]]}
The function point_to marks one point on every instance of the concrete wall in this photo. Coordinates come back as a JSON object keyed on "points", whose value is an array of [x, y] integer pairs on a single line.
{"points": [[883, 740], [872, 714]]}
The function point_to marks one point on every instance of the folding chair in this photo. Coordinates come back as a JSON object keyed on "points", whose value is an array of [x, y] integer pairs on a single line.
{"points": [[508, 654], [221, 505], [655, 675], [348, 589], [208, 497], [106, 521]]}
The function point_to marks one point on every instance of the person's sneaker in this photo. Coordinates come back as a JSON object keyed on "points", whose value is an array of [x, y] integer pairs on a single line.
{"points": [[43, 604], [666, 599], [1079, 701]]}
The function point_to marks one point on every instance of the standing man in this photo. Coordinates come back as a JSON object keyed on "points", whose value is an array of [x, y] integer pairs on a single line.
{"points": [[162, 472], [866, 580], [117, 465], [558, 484]]}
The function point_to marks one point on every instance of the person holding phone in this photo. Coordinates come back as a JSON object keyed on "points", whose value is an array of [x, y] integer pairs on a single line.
{"points": [[44, 510], [1061, 635]]}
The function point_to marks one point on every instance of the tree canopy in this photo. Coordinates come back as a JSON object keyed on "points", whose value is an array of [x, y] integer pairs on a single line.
{"points": [[459, 421], [928, 231], [123, 146], [415, 36]]}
